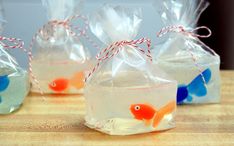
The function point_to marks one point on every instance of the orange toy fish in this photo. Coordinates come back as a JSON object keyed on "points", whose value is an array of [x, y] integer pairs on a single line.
{"points": [[62, 84], [59, 84], [149, 115]]}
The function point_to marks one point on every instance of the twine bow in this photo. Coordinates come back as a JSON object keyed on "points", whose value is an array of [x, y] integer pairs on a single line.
{"points": [[12, 43], [181, 29], [116, 47], [16, 43], [72, 29]]}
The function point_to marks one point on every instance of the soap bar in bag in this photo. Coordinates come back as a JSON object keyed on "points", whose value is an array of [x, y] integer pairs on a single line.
{"points": [[125, 94], [184, 57], [14, 83], [59, 57]]}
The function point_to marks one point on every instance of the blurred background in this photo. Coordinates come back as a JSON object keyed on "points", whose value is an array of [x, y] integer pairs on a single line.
{"points": [[219, 17], [25, 17]]}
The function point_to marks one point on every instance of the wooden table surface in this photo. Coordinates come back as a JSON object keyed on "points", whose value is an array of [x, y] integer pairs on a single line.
{"points": [[59, 121]]}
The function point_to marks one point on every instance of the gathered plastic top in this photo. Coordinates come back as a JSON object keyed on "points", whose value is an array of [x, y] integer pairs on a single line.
{"points": [[181, 12], [112, 24], [184, 46], [62, 9], [117, 27], [7, 62]]}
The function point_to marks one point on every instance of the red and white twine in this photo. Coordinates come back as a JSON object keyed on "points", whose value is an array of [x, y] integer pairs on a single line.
{"points": [[67, 24], [116, 47], [192, 33], [17, 43]]}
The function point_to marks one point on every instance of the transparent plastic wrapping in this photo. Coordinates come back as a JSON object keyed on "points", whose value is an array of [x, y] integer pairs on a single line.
{"points": [[184, 57], [59, 57], [14, 82], [126, 94]]}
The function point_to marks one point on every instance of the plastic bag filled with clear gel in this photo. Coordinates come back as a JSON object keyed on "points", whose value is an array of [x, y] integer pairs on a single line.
{"points": [[183, 56], [14, 81], [59, 57], [124, 93]]}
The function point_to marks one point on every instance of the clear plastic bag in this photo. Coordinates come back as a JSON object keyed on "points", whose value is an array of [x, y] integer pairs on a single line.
{"points": [[14, 81], [124, 93], [183, 56], [59, 57]]}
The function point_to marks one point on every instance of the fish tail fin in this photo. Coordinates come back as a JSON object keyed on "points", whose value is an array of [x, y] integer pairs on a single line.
{"points": [[78, 80], [167, 109]]}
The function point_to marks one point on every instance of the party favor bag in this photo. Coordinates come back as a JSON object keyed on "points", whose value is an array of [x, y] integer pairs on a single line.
{"points": [[124, 93], [183, 56], [14, 81], [59, 58]]}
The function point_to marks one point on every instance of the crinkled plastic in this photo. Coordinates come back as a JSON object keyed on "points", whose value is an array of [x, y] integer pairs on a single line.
{"points": [[59, 57], [126, 94], [14, 82], [184, 57]]}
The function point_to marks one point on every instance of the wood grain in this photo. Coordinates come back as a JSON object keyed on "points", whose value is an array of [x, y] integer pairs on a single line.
{"points": [[59, 121]]}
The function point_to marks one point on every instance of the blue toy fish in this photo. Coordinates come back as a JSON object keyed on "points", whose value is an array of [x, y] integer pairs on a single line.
{"points": [[196, 87], [4, 82]]}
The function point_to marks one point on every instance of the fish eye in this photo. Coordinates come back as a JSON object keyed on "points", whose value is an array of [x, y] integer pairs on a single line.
{"points": [[137, 107], [53, 84]]}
